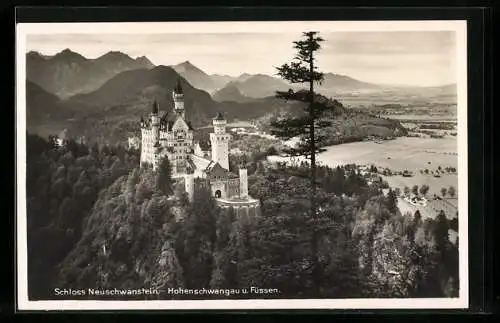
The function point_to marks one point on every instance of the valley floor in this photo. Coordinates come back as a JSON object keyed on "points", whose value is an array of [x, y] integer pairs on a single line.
{"points": [[413, 154]]}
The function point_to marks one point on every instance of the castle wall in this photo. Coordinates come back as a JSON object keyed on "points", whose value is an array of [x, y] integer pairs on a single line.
{"points": [[199, 173], [219, 186], [200, 152], [233, 188], [147, 145], [246, 208], [243, 183]]}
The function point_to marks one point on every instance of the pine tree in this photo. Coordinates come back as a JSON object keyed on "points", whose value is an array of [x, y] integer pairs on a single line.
{"points": [[441, 232], [451, 191], [424, 189], [392, 202], [303, 71], [164, 179], [414, 189]]}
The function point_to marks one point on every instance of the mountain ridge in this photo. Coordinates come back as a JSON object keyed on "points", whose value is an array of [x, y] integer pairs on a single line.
{"points": [[230, 93], [67, 73], [112, 112]]}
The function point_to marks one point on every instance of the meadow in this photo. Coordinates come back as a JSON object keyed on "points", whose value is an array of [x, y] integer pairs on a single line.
{"points": [[405, 153]]}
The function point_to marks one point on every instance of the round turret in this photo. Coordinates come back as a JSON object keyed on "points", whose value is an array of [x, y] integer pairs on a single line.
{"points": [[219, 122], [219, 140], [219, 117]]}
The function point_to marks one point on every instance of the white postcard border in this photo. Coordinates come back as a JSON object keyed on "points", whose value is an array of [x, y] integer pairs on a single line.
{"points": [[23, 29]]}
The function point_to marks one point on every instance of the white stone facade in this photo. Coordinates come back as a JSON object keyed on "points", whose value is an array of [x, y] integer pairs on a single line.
{"points": [[171, 135]]}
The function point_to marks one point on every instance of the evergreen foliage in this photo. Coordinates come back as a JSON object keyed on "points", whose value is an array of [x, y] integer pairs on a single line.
{"points": [[98, 221]]}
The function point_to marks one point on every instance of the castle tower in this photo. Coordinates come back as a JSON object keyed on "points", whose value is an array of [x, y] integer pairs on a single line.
{"points": [[144, 145], [220, 141], [156, 155], [178, 96], [155, 123], [150, 134], [243, 183]]}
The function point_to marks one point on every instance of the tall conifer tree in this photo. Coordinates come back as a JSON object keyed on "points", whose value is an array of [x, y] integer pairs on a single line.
{"points": [[302, 70]]}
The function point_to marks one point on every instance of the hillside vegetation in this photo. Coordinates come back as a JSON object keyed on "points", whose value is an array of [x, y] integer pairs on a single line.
{"points": [[96, 221], [348, 124]]}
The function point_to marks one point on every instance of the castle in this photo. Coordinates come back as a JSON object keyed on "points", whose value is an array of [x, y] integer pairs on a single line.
{"points": [[171, 135]]}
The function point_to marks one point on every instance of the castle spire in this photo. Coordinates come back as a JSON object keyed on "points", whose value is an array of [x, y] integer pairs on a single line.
{"points": [[155, 107], [178, 87]]}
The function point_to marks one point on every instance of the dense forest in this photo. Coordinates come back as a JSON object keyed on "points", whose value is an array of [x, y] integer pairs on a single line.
{"points": [[96, 220], [62, 185]]}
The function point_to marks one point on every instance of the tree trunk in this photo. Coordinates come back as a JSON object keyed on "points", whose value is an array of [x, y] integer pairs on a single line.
{"points": [[314, 238]]}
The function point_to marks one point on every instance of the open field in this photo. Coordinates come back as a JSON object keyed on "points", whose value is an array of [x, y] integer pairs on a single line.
{"points": [[432, 208], [421, 117], [403, 153], [435, 184]]}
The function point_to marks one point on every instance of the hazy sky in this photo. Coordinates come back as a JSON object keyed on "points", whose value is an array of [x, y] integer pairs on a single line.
{"points": [[423, 58]]}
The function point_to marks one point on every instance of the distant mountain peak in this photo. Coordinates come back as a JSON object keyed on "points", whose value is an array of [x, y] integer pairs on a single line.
{"points": [[35, 55], [68, 73], [143, 60], [67, 50], [115, 55], [186, 66], [230, 92], [69, 54], [258, 76]]}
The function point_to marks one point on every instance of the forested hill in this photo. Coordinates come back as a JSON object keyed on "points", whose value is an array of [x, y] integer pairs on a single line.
{"points": [[111, 113], [347, 124], [41, 105], [96, 221], [131, 93], [62, 187]]}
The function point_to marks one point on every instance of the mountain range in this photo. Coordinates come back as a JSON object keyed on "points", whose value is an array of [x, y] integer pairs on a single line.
{"points": [[132, 92], [231, 93], [245, 87], [109, 94], [210, 83], [67, 73]]}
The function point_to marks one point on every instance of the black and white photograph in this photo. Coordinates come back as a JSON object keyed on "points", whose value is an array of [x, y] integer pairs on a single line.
{"points": [[242, 165]]}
